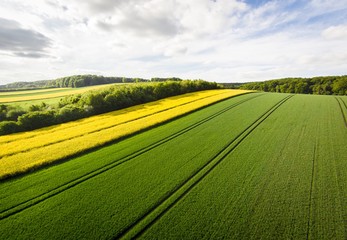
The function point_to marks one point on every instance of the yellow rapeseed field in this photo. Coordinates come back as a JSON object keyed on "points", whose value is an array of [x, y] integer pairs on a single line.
{"points": [[23, 151]]}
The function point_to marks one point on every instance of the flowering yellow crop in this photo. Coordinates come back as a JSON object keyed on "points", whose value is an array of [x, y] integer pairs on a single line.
{"points": [[23, 151]]}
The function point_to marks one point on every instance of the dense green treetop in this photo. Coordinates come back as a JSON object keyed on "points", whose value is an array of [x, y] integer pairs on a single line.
{"points": [[330, 85]]}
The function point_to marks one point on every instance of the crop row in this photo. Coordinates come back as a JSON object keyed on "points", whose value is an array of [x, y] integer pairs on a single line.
{"points": [[276, 173], [104, 117], [17, 207], [116, 116], [15, 193], [146, 221], [287, 181], [40, 149], [107, 204]]}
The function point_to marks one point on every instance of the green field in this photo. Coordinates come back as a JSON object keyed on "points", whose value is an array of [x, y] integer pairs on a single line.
{"points": [[25, 105], [256, 166], [51, 95]]}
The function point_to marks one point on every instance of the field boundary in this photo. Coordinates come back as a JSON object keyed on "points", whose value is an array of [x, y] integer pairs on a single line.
{"points": [[104, 128], [311, 189], [339, 100], [98, 145], [144, 222], [100, 129], [42, 197]]}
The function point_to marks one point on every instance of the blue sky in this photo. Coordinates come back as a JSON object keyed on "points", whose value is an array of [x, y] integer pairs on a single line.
{"points": [[221, 40], [256, 3]]}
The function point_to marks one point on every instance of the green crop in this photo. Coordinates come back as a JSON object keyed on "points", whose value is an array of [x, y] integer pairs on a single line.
{"points": [[257, 166]]}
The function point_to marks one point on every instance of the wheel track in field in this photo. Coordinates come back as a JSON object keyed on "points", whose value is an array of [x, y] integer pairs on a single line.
{"points": [[152, 215], [55, 191], [344, 103], [339, 100], [336, 166], [97, 130], [311, 189]]}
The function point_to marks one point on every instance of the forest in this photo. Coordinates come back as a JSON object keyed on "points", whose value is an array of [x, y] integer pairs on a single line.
{"points": [[329, 85]]}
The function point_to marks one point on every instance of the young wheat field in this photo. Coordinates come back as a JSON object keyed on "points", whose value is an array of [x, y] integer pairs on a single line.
{"points": [[251, 166]]}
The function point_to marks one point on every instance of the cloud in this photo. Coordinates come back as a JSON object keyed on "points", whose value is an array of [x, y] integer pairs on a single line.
{"points": [[31, 54], [149, 58], [56, 23], [324, 6], [158, 18], [56, 4], [22, 42], [145, 26], [105, 26], [104, 6], [335, 32], [143, 19], [217, 40], [175, 51]]}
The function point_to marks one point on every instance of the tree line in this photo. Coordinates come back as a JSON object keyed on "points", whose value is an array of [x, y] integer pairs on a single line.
{"points": [[330, 85], [15, 119], [77, 81], [90, 80]]}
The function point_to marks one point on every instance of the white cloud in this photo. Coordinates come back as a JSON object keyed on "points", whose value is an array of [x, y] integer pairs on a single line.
{"points": [[335, 32], [220, 40], [324, 6]]}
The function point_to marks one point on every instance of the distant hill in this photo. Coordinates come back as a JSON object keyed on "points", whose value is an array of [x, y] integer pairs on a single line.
{"points": [[330, 85], [26, 85]]}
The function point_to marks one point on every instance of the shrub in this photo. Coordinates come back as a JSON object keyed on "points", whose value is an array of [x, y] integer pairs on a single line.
{"points": [[13, 114], [7, 127], [70, 113], [34, 120]]}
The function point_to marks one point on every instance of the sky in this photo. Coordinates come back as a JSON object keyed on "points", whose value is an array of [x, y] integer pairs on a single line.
{"points": [[214, 40]]}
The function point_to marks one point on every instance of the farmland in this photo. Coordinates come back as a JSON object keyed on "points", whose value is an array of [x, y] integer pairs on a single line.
{"points": [[41, 94], [255, 166], [29, 115], [24, 151]]}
